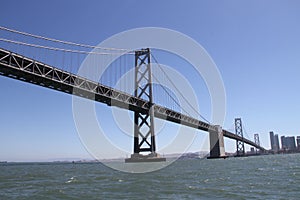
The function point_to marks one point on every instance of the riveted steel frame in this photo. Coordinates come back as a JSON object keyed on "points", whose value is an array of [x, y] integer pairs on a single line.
{"points": [[240, 147], [144, 137], [25, 69]]}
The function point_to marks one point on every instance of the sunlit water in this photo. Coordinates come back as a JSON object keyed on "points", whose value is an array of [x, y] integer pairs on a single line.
{"points": [[260, 177]]}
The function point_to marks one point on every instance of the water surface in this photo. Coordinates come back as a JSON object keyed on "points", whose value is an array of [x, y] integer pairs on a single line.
{"points": [[260, 177]]}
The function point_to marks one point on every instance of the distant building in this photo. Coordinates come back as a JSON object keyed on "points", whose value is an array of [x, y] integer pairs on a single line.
{"points": [[283, 143], [288, 143], [298, 142], [276, 140], [291, 143], [272, 138]]}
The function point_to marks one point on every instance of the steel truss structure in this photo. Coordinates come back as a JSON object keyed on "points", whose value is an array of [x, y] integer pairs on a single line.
{"points": [[240, 147], [19, 67], [144, 137], [256, 140]]}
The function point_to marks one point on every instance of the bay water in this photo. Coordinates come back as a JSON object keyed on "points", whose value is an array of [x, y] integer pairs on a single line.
{"points": [[257, 177]]}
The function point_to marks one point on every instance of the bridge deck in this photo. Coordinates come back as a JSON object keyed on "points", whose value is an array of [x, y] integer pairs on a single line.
{"points": [[25, 69]]}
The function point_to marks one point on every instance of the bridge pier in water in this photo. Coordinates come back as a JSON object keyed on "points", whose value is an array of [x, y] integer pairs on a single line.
{"points": [[216, 140], [144, 136]]}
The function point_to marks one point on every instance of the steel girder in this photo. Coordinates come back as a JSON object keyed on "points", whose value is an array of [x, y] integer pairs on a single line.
{"points": [[28, 70]]}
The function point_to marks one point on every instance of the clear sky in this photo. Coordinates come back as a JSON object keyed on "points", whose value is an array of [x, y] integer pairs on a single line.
{"points": [[255, 44]]}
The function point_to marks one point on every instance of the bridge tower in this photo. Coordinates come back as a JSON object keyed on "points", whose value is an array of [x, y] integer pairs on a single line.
{"points": [[240, 147], [144, 136], [256, 141]]}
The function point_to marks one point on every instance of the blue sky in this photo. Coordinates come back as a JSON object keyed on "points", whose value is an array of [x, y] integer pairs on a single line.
{"points": [[255, 45]]}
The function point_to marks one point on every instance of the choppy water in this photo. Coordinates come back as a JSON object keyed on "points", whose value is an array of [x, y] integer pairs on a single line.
{"points": [[262, 177]]}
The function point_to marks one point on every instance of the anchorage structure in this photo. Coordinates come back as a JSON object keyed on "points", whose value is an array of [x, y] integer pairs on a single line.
{"points": [[144, 136], [240, 147]]}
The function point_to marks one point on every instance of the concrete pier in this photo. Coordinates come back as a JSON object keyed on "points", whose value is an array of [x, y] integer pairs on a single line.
{"points": [[152, 157], [216, 139]]}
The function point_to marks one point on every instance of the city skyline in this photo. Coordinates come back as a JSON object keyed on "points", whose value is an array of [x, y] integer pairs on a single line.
{"points": [[288, 143]]}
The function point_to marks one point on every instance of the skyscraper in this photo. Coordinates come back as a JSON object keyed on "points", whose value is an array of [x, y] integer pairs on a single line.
{"points": [[291, 143], [283, 143], [288, 143], [272, 140], [276, 140]]}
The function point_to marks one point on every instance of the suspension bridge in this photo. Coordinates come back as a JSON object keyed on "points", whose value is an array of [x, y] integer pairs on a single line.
{"points": [[62, 76]]}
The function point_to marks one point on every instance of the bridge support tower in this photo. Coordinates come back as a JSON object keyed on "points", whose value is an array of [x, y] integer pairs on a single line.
{"points": [[216, 140], [256, 141], [144, 136], [240, 147]]}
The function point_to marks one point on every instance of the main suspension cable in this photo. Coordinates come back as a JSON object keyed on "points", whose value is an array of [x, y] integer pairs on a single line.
{"points": [[61, 49], [60, 41], [170, 80]]}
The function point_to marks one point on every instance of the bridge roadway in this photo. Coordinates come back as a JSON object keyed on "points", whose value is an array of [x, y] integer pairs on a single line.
{"points": [[25, 69]]}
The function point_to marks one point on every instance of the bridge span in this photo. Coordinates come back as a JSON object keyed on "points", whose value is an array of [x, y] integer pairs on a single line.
{"points": [[20, 67]]}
